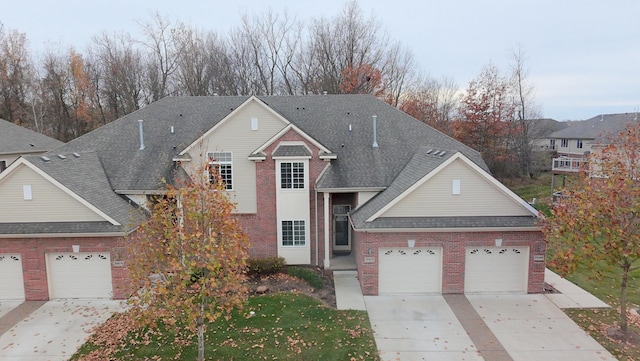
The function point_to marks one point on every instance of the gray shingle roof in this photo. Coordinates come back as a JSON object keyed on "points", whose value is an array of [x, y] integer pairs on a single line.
{"points": [[599, 127], [59, 228], [291, 151], [83, 174], [451, 222], [15, 139], [326, 118]]}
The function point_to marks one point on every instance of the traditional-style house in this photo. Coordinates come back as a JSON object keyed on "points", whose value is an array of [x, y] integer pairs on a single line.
{"points": [[313, 177]]}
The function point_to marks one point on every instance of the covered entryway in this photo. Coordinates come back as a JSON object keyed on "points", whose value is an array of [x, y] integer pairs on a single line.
{"points": [[410, 270], [11, 280], [496, 269], [79, 275]]}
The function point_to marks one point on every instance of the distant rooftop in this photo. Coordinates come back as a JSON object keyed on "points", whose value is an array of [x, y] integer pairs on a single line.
{"points": [[15, 139]]}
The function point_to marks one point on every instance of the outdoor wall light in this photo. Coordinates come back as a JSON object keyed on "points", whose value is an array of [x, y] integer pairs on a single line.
{"points": [[368, 250], [411, 243], [498, 242], [75, 248]]}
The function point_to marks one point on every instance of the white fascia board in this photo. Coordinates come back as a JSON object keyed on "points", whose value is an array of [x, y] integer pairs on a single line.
{"points": [[139, 191], [443, 165], [64, 235], [436, 230], [351, 190], [290, 126], [59, 185], [252, 98]]}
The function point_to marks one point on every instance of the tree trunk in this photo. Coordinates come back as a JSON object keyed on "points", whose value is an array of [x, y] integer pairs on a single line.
{"points": [[623, 298], [200, 325]]}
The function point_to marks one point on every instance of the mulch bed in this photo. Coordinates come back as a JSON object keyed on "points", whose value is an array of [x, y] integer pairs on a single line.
{"points": [[281, 282]]}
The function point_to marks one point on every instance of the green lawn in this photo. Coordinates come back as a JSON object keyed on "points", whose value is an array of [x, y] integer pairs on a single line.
{"points": [[607, 288], [285, 326]]}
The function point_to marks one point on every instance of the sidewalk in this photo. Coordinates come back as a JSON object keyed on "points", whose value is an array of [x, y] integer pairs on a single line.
{"points": [[348, 291], [570, 296]]}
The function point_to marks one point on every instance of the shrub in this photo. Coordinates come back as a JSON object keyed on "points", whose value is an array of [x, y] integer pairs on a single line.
{"points": [[307, 274], [265, 266]]}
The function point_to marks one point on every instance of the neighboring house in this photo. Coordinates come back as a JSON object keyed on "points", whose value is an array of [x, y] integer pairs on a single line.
{"points": [[575, 142], [544, 148], [16, 141], [313, 177], [542, 129]]}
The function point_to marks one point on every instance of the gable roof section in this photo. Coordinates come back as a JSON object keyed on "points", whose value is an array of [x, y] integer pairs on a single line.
{"points": [[339, 123], [131, 170], [599, 127], [82, 177], [15, 139], [231, 115], [422, 167], [342, 123]]}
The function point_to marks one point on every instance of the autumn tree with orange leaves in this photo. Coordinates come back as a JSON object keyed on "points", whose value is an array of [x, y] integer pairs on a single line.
{"points": [[485, 120], [189, 259], [599, 220]]}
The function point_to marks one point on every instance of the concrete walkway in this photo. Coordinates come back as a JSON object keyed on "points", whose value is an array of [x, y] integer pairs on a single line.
{"points": [[348, 292], [570, 296]]}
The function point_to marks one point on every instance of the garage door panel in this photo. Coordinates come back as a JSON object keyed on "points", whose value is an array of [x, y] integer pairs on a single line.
{"points": [[11, 277], [410, 270], [496, 270], [79, 275]]}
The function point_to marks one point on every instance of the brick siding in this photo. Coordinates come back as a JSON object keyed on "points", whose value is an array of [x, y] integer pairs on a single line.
{"points": [[453, 247], [33, 250]]}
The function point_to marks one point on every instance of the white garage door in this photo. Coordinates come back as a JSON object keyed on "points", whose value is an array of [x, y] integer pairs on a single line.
{"points": [[496, 269], [410, 270], [11, 280], [79, 275]]}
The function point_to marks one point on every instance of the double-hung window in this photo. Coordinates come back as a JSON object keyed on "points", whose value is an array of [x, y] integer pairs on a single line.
{"points": [[293, 233], [579, 143], [221, 164], [564, 143], [292, 175]]}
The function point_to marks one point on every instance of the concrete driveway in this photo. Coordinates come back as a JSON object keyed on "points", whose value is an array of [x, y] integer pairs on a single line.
{"points": [[411, 328], [531, 327], [503, 327], [55, 330]]}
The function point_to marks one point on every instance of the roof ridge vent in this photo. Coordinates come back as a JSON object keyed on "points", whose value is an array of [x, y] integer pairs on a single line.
{"points": [[45, 158], [61, 156], [76, 154], [430, 150]]}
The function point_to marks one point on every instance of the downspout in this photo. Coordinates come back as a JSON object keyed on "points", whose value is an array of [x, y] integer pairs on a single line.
{"points": [[315, 200], [327, 261]]}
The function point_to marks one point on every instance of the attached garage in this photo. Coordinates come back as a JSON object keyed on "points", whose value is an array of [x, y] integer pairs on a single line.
{"points": [[79, 275], [496, 269], [410, 270], [11, 280]]}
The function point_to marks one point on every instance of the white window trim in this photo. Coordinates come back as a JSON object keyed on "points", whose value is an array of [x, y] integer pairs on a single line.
{"points": [[293, 229], [304, 175], [217, 162]]}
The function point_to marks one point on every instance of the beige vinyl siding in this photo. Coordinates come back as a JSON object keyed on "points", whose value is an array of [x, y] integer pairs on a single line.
{"points": [[49, 203], [235, 136], [478, 197]]}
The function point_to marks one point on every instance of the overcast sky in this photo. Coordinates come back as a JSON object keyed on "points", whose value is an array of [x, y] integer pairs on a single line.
{"points": [[583, 56]]}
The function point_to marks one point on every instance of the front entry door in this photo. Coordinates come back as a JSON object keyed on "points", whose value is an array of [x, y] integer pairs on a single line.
{"points": [[341, 228]]}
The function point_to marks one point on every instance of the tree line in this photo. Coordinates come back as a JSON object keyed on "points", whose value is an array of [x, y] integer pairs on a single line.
{"points": [[66, 93]]}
